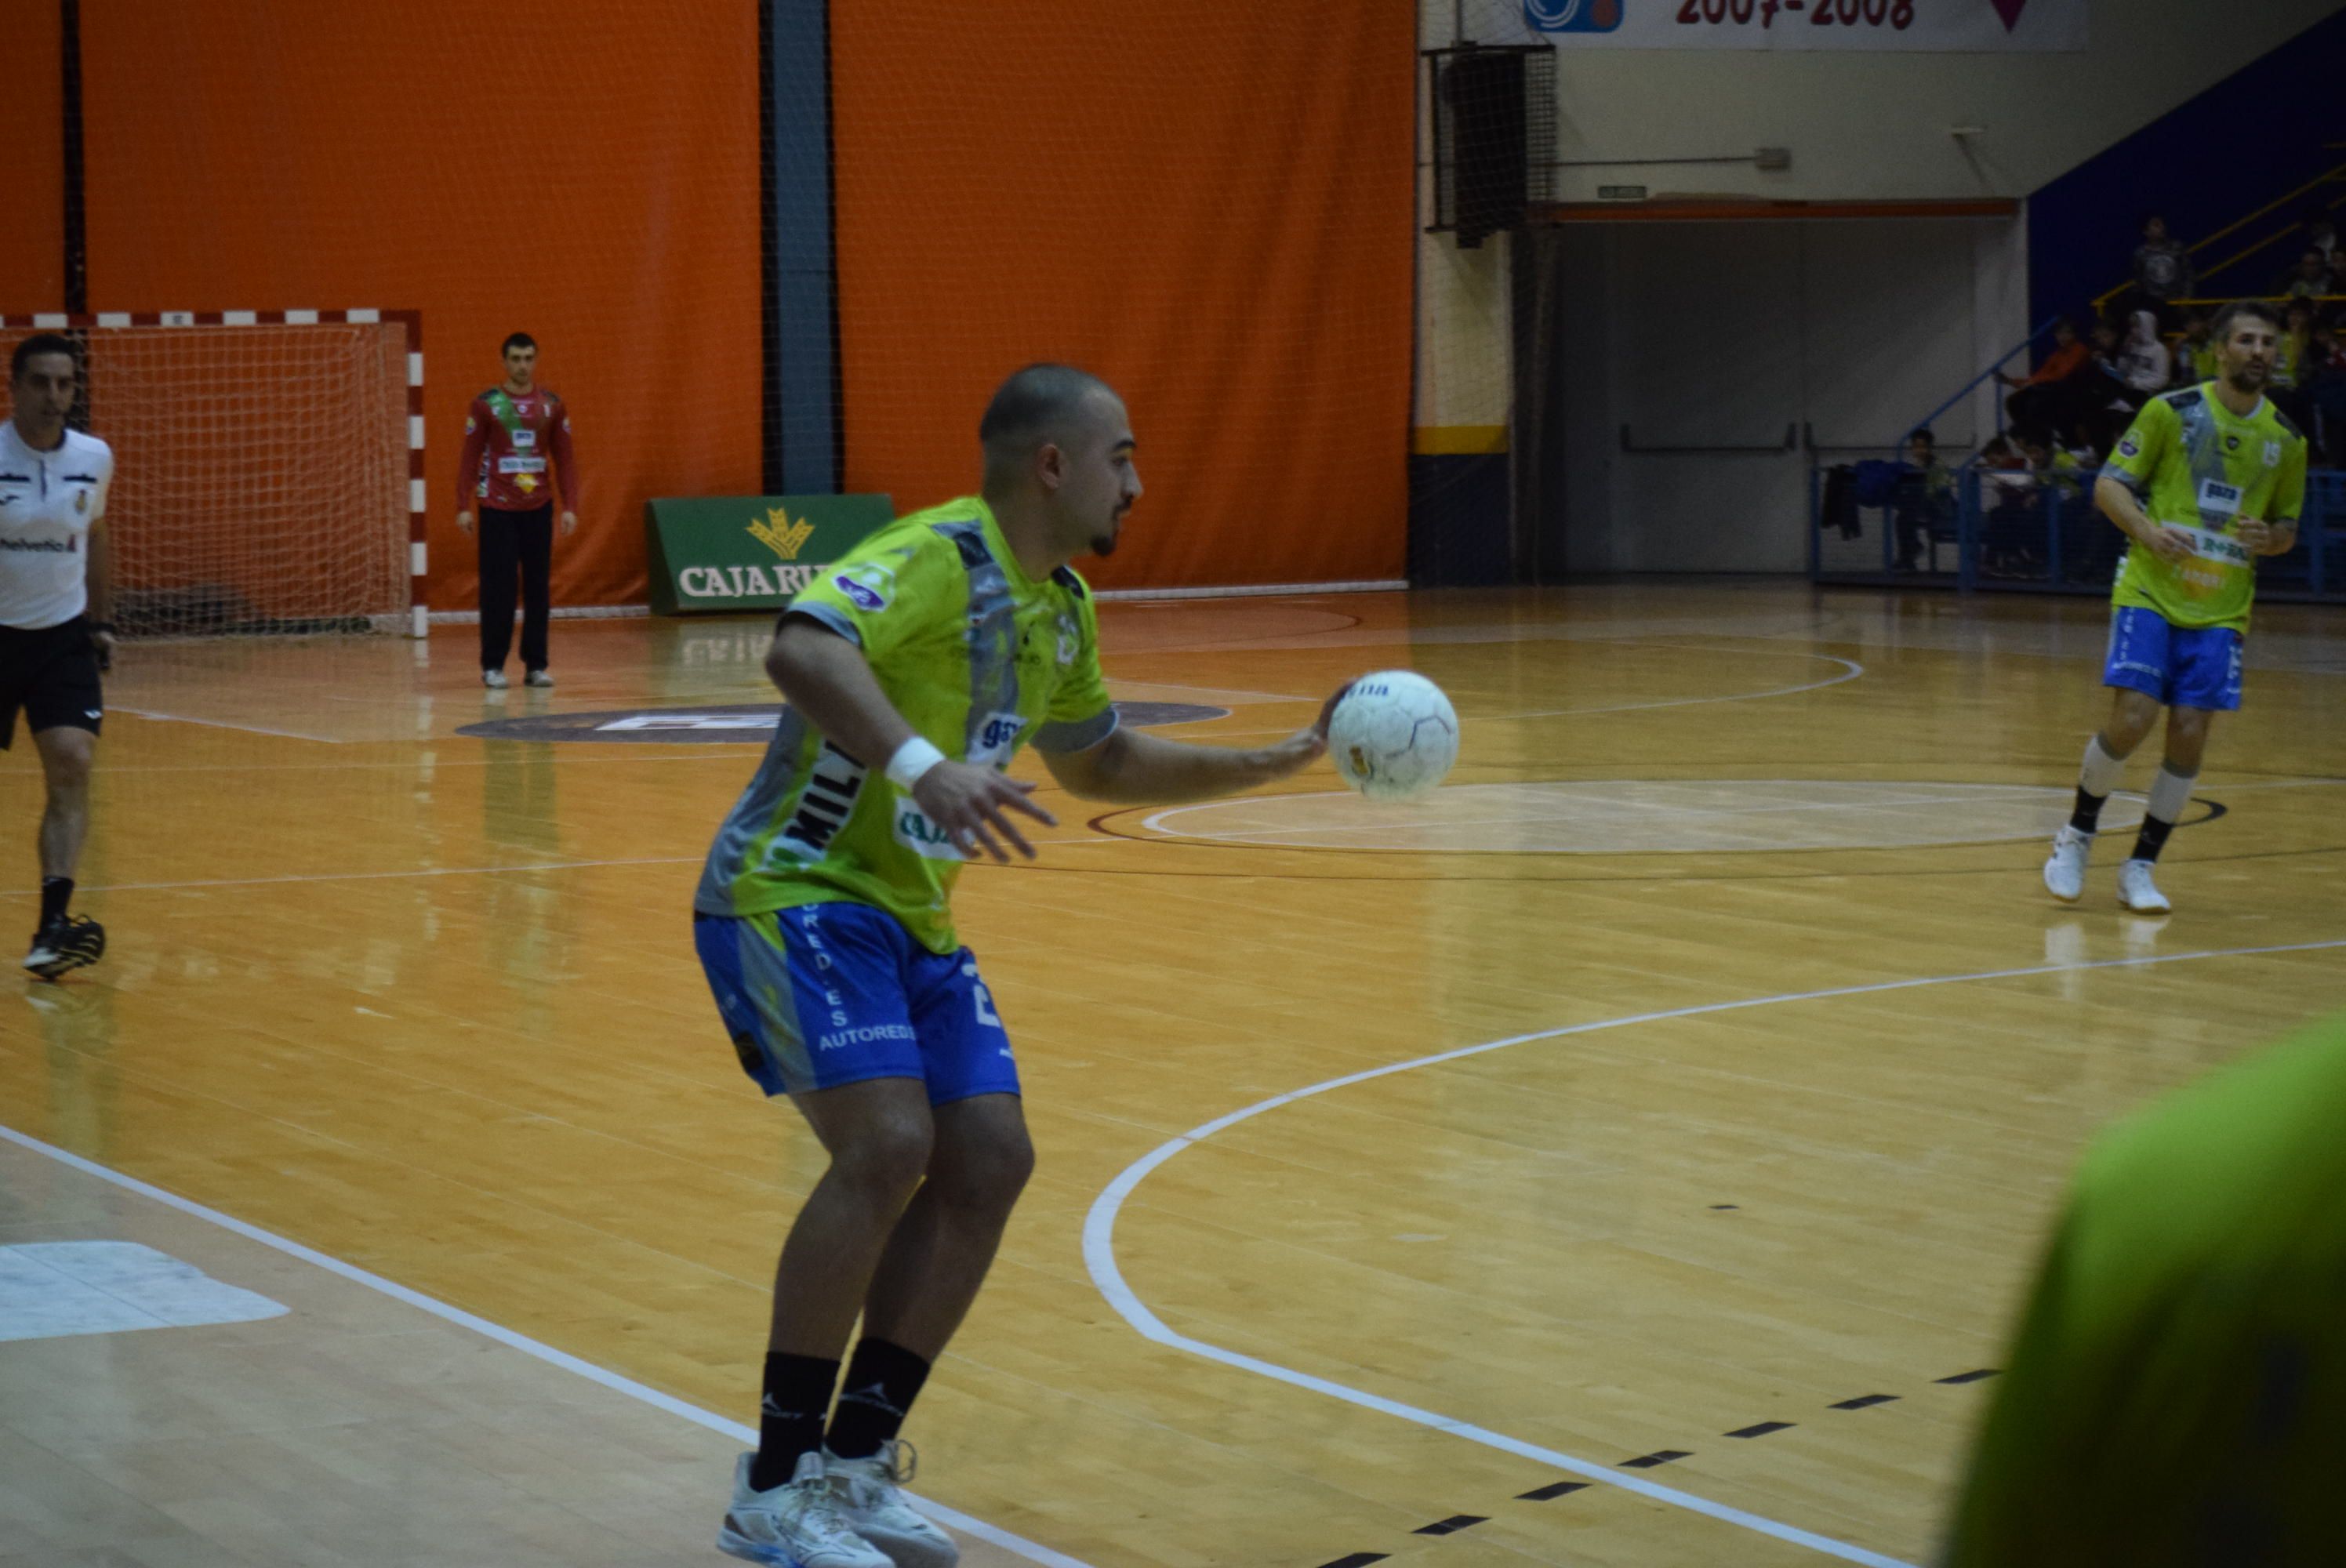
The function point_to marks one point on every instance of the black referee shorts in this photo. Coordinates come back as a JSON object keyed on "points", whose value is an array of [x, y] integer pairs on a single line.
{"points": [[50, 672]]}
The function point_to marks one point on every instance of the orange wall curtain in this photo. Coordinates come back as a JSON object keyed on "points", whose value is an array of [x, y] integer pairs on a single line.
{"points": [[1210, 204], [586, 172]]}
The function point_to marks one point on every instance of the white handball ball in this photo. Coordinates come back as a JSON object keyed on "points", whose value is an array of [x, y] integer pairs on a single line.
{"points": [[1393, 736]]}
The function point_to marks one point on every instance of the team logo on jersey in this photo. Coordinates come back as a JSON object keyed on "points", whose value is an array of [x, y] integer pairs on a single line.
{"points": [[2272, 454], [862, 585], [2129, 447], [2231, 443], [1071, 642], [777, 533]]}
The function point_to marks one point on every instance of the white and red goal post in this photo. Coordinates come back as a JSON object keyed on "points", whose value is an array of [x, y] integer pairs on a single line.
{"points": [[268, 466]]}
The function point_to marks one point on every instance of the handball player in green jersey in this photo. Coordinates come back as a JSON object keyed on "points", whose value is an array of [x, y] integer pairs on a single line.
{"points": [[914, 669], [2176, 1396], [2207, 479]]}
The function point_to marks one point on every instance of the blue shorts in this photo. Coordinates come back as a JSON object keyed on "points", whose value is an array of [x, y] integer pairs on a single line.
{"points": [[2182, 667], [832, 993]]}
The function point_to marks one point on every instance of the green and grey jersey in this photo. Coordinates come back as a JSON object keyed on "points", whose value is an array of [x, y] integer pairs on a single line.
{"points": [[976, 656]]}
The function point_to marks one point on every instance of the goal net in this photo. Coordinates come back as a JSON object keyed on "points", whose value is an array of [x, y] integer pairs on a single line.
{"points": [[262, 466]]}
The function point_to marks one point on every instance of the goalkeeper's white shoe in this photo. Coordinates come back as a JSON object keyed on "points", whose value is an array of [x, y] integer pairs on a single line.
{"points": [[2064, 870], [797, 1524], [2137, 892], [871, 1500]]}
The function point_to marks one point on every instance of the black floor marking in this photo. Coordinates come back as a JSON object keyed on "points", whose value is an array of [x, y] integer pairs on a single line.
{"points": [[1659, 1456], [1555, 1489], [1762, 1429], [1451, 1525], [1727, 1205], [1357, 1560], [1968, 1376], [1863, 1401]]}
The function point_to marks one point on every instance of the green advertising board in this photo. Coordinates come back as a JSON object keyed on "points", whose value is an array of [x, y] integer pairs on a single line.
{"points": [[749, 552]]}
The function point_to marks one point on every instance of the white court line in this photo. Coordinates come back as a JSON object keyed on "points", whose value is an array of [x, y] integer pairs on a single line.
{"points": [[1099, 1239], [382, 876], [1851, 670], [222, 724], [1983, 794], [1032, 1551]]}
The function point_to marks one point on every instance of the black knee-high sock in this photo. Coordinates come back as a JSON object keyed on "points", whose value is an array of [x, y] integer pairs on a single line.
{"points": [[882, 1380], [2087, 816], [789, 1416], [2152, 839], [56, 892]]}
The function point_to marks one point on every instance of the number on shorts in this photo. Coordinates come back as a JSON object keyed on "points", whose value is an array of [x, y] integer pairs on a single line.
{"points": [[981, 998]]}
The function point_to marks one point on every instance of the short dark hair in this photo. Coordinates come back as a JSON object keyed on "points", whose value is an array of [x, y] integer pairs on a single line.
{"points": [[1031, 406], [1923, 433], [516, 340], [42, 343], [2240, 308]]}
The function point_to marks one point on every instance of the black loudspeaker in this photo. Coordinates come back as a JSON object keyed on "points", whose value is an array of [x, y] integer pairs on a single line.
{"points": [[1490, 156]]}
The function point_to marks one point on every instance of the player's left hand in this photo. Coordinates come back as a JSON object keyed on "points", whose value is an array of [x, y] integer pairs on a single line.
{"points": [[103, 645], [2255, 535], [569, 524]]}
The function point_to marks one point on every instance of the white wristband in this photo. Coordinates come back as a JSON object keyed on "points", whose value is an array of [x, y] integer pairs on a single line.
{"points": [[913, 758]]}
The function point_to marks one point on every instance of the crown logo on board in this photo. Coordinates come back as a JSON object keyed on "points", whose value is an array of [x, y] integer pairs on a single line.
{"points": [[779, 533]]}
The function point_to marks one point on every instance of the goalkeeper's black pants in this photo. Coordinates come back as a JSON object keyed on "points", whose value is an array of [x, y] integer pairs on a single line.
{"points": [[510, 540]]}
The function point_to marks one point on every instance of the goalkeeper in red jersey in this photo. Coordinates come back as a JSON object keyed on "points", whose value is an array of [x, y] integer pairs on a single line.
{"points": [[517, 442]]}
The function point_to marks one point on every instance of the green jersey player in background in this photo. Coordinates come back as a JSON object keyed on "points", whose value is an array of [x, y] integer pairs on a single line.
{"points": [[914, 669], [2207, 479]]}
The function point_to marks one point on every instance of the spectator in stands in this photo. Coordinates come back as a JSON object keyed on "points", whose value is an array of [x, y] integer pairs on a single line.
{"points": [[2038, 400], [2322, 234], [2143, 362], [2195, 356], [2162, 269], [2309, 280], [2324, 391], [2291, 374], [2008, 489], [1925, 500]]}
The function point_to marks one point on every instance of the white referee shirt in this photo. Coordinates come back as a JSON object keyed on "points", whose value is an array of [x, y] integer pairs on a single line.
{"points": [[48, 502]]}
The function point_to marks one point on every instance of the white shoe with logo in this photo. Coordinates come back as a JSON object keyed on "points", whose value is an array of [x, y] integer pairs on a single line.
{"points": [[875, 1508], [2137, 892], [797, 1524], [2065, 871]]}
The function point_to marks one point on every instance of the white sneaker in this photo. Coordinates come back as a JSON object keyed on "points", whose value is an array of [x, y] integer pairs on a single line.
{"points": [[495, 679], [537, 677], [2065, 871], [876, 1510], [795, 1525], [2137, 892]]}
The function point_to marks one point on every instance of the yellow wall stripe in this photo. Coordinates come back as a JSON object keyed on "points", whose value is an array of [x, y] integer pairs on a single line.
{"points": [[1457, 440]]}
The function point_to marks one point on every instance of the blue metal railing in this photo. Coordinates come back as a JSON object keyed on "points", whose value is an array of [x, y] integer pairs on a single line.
{"points": [[1980, 379], [2025, 532]]}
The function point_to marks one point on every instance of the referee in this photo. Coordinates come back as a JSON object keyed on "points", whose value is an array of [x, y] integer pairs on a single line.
{"points": [[517, 442], [55, 595]]}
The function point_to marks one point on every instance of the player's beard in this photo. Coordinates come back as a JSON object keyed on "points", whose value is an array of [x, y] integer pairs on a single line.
{"points": [[2249, 378], [1103, 544]]}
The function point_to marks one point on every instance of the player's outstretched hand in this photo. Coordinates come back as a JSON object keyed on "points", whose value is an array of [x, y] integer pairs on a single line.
{"points": [[2170, 544], [1307, 746], [972, 805]]}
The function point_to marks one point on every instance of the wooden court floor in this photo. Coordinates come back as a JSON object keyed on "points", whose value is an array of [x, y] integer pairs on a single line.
{"points": [[1629, 1158]]}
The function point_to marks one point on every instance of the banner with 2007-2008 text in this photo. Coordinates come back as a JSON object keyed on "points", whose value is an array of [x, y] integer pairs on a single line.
{"points": [[1982, 27]]}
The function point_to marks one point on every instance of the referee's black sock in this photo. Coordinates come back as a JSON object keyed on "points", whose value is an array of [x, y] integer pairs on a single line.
{"points": [[56, 892]]}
